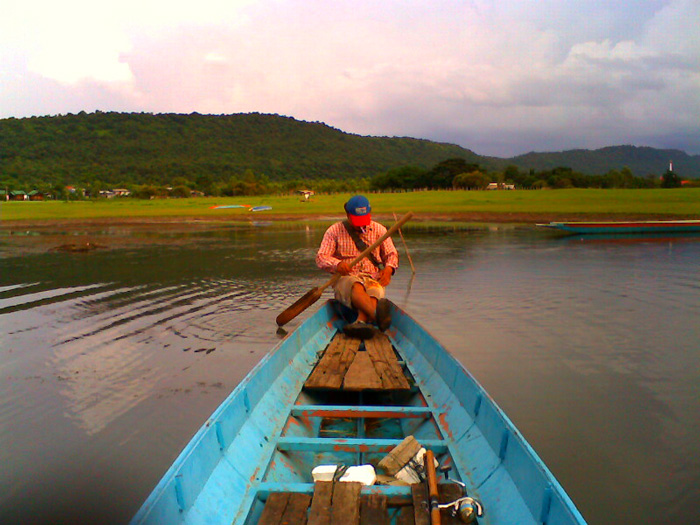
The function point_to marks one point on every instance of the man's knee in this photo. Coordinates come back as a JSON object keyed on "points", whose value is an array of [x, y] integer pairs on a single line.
{"points": [[358, 288]]}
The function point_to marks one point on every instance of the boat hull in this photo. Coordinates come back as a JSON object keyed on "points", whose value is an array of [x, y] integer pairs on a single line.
{"points": [[268, 434], [626, 227]]}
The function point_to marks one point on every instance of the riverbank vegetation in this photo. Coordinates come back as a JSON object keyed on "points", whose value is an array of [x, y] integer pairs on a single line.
{"points": [[454, 173], [475, 206]]}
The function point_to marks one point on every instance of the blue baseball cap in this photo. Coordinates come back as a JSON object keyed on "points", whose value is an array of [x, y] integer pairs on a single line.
{"points": [[358, 210]]}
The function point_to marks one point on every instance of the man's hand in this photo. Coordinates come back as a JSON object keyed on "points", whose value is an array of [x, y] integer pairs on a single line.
{"points": [[343, 268], [385, 277]]}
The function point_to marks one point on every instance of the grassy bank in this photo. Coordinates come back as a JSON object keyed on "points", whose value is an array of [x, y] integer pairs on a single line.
{"points": [[507, 206]]}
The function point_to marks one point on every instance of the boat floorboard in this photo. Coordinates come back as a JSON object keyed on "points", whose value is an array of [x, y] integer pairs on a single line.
{"points": [[343, 503], [355, 365]]}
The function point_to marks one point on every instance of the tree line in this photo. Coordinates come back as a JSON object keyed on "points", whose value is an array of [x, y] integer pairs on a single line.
{"points": [[460, 174], [455, 173]]}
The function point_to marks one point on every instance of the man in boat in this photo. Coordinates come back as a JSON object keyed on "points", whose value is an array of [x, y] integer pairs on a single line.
{"points": [[361, 288]]}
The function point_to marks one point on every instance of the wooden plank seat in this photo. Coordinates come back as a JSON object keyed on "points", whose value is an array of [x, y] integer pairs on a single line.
{"points": [[352, 364], [288, 508], [332, 504], [336, 503]]}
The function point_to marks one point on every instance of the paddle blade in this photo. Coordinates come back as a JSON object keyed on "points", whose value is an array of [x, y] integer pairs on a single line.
{"points": [[300, 305]]}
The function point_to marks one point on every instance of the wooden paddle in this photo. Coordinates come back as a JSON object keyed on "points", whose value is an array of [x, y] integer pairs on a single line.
{"points": [[314, 294]]}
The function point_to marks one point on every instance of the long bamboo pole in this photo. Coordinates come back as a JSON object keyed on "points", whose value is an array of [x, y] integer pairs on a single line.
{"points": [[408, 255]]}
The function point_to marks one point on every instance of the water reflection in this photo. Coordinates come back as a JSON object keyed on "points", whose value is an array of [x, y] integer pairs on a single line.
{"points": [[111, 360]]}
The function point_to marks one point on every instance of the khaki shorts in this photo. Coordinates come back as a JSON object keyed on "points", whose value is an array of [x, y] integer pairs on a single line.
{"points": [[343, 288]]}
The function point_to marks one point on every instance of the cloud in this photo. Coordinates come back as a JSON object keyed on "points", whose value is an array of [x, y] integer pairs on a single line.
{"points": [[498, 77], [78, 40]]}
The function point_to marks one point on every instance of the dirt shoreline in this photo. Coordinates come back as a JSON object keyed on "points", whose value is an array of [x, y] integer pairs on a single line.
{"points": [[199, 221]]}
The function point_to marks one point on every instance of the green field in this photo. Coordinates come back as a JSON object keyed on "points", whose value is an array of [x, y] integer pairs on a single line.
{"points": [[684, 202]]}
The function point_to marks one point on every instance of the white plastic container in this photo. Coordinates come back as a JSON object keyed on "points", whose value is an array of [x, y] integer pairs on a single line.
{"points": [[364, 474]]}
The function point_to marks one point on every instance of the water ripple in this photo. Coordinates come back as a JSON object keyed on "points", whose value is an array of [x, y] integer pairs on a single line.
{"points": [[32, 300]]}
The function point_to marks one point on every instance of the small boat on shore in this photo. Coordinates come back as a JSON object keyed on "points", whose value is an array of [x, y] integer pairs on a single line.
{"points": [[320, 402], [681, 226]]}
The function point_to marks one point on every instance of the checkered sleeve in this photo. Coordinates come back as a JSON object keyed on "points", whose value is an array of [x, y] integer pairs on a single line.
{"points": [[326, 257], [389, 255]]}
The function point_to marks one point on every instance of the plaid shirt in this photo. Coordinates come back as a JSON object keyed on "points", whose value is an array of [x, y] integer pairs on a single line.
{"points": [[337, 245]]}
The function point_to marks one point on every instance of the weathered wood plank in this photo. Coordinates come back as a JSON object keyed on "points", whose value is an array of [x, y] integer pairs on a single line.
{"points": [[405, 516], [318, 377], [320, 513], [285, 508], [346, 504], [343, 504], [361, 375], [447, 493], [385, 363], [373, 510], [400, 456], [334, 363], [347, 357], [274, 508], [335, 360], [421, 507], [297, 507]]}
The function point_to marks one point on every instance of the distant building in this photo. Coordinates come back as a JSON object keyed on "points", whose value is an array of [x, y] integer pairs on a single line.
{"points": [[18, 195], [116, 192], [500, 186], [36, 195]]}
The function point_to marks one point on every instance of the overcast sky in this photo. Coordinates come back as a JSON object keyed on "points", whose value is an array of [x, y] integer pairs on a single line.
{"points": [[498, 77]]}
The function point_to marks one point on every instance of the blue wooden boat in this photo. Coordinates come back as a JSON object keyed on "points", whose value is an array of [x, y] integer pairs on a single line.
{"points": [[279, 423], [680, 226]]}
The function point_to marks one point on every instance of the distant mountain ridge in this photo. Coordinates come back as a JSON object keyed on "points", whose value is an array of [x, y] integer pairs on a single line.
{"points": [[145, 148], [642, 160]]}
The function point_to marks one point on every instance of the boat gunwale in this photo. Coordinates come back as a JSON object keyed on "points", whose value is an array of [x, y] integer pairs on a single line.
{"points": [[623, 223]]}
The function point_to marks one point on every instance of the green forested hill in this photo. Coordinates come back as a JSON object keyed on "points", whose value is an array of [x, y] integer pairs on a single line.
{"points": [[128, 148], [142, 148]]}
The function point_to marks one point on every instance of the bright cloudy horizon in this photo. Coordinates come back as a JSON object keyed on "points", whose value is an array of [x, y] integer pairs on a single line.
{"points": [[499, 78]]}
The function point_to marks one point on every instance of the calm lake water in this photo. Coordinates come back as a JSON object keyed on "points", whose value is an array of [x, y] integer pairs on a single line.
{"points": [[111, 360]]}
